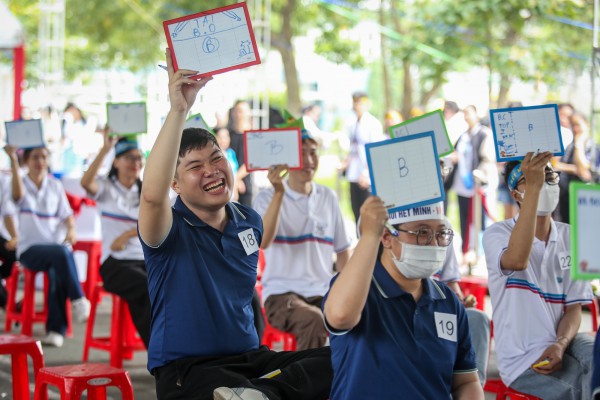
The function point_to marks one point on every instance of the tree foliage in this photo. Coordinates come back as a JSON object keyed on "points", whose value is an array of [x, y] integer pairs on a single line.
{"points": [[425, 39]]}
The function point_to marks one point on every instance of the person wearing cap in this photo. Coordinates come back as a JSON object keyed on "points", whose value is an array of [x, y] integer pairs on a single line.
{"points": [[363, 129], [536, 306], [117, 196], [303, 228], [46, 233], [394, 331]]}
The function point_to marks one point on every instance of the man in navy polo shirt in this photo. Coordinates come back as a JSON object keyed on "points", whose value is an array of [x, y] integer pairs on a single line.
{"points": [[395, 332], [201, 257]]}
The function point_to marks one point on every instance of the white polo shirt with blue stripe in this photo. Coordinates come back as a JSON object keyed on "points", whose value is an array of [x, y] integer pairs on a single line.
{"points": [[119, 209], [528, 305], [41, 213], [311, 229]]}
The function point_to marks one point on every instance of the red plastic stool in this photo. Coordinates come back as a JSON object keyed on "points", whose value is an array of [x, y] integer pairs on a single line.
{"points": [[28, 315], [19, 346], [123, 339], [503, 392], [477, 286], [271, 336], [72, 380], [93, 249]]}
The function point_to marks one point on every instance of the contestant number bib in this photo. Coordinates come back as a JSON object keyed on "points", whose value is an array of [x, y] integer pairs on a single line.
{"points": [[564, 258], [445, 324], [249, 241]]}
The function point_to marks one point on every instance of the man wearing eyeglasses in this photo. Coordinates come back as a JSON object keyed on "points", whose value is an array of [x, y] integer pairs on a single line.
{"points": [[536, 305], [394, 331]]}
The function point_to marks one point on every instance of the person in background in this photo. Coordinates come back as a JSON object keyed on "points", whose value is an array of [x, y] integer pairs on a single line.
{"points": [[240, 120], [394, 331], [474, 152], [536, 306], [577, 162], [123, 269], [596, 372], [8, 237], [363, 129], [46, 233], [565, 112], [392, 118], [303, 228], [202, 257], [224, 140]]}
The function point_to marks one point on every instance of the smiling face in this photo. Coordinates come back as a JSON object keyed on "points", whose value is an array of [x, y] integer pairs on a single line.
{"points": [[310, 162], [129, 164], [203, 178]]}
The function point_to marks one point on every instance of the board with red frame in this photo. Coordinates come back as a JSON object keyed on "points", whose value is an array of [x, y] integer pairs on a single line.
{"points": [[268, 147], [212, 42]]}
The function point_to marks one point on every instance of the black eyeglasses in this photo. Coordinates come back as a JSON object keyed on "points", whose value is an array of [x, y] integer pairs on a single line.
{"points": [[552, 178], [443, 237]]}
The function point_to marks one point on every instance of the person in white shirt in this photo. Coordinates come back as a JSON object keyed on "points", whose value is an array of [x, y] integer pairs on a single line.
{"points": [[123, 269], [303, 227], [364, 129], [46, 233], [536, 306]]}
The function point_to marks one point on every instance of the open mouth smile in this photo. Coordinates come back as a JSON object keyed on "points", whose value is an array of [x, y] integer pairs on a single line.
{"points": [[215, 187]]}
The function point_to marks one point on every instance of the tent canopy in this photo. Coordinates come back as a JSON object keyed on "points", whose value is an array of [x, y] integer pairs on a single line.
{"points": [[11, 34]]}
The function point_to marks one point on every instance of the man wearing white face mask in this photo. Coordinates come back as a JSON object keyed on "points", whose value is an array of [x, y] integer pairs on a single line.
{"points": [[536, 306], [394, 331]]}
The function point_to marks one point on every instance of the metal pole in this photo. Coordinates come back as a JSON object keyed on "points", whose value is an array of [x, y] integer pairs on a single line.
{"points": [[595, 67]]}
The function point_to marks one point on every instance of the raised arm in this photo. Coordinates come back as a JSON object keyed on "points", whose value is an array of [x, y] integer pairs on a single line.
{"points": [[348, 294], [271, 217], [17, 182], [516, 256], [155, 208], [88, 180]]}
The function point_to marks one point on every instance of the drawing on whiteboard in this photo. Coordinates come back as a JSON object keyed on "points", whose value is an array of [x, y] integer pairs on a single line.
{"points": [[530, 127], [274, 146], [245, 48], [403, 167], [232, 15], [210, 45], [255, 135], [207, 29], [507, 137]]}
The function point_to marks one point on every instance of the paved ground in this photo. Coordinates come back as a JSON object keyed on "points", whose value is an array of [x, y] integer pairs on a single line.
{"points": [[143, 382]]}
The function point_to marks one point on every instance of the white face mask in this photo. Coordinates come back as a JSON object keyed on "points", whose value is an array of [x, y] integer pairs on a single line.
{"points": [[548, 199], [419, 262]]}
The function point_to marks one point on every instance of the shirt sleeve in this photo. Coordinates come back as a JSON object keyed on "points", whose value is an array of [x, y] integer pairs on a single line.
{"points": [[495, 243], [450, 271], [64, 209], [465, 356], [262, 200], [99, 196], [329, 328]]}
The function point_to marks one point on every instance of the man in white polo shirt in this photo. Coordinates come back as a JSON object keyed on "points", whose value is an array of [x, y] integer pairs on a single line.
{"points": [[303, 227], [536, 305]]}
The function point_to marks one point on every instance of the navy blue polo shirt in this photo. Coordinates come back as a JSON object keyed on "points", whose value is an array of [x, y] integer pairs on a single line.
{"points": [[402, 349], [201, 283]]}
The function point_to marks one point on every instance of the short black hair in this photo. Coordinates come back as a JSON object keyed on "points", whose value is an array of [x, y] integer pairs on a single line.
{"points": [[451, 106], [359, 95], [194, 139], [27, 152], [508, 167]]}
